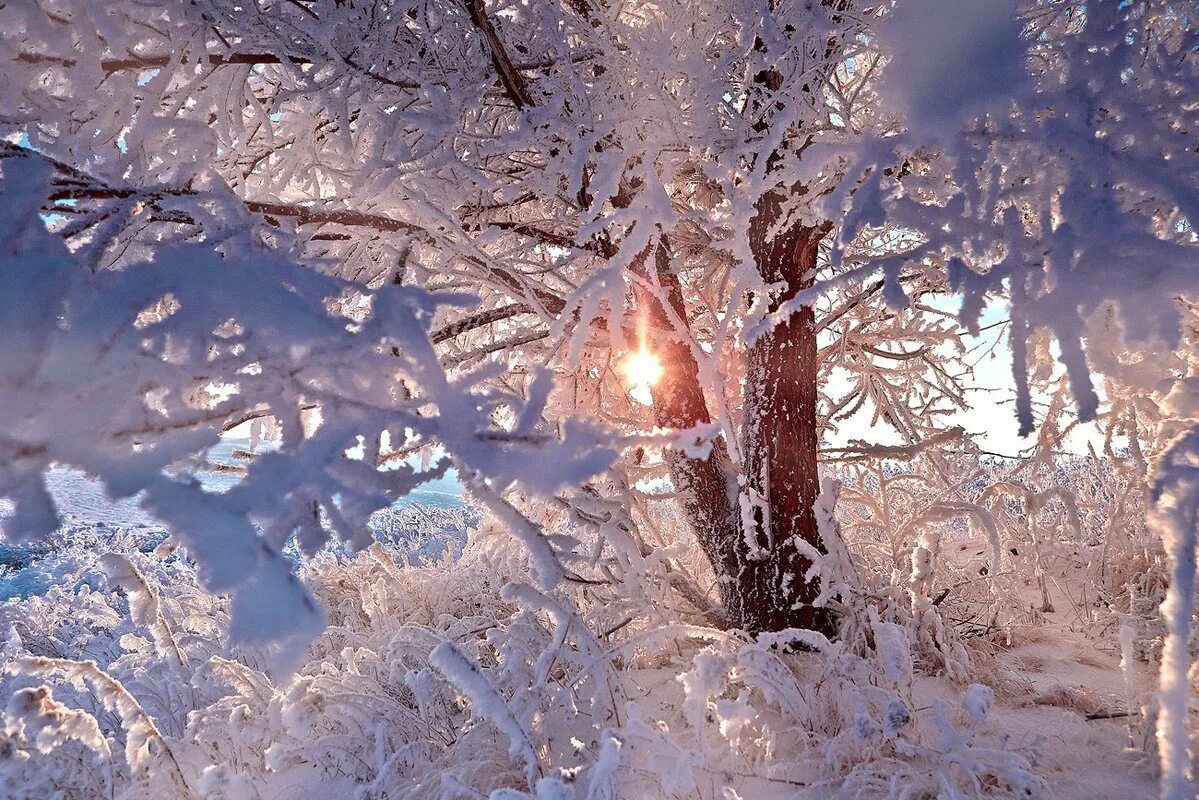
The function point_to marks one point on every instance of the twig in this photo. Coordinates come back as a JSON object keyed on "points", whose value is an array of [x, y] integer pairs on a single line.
{"points": [[1112, 714]]}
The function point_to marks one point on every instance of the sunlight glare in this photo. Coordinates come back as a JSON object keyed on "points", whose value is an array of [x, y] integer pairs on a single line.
{"points": [[643, 368]]}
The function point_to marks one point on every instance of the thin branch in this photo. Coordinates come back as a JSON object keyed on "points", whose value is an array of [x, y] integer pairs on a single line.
{"points": [[112, 65], [515, 341], [312, 215], [479, 320]]}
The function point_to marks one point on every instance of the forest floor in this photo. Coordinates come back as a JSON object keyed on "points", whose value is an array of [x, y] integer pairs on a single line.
{"points": [[1061, 700], [1062, 696], [1061, 692]]}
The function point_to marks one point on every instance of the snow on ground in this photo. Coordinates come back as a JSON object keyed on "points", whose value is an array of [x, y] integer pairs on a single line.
{"points": [[1060, 695], [1062, 691], [1059, 698]]}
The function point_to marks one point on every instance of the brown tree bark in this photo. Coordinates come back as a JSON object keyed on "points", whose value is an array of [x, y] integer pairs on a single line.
{"points": [[781, 435]]}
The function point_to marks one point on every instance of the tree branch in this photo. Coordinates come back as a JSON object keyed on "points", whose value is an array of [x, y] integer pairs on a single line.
{"points": [[311, 215], [514, 84], [112, 65], [89, 187], [479, 320]]}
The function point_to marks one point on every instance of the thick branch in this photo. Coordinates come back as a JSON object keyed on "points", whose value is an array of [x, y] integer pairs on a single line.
{"points": [[704, 484], [514, 84]]}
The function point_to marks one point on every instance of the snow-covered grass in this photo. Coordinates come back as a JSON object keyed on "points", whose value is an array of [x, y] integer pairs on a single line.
{"points": [[449, 675]]}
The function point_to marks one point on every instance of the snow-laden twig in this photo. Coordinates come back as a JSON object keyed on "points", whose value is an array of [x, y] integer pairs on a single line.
{"points": [[1175, 517], [488, 704], [144, 605]]}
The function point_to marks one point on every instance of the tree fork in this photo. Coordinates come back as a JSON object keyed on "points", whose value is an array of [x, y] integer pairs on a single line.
{"points": [[763, 587]]}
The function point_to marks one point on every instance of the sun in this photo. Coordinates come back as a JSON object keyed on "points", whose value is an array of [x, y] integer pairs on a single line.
{"points": [[643, 368]]}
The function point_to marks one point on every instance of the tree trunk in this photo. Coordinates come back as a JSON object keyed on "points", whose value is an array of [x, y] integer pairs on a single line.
{"points": [[706, 486], [781, 435]]}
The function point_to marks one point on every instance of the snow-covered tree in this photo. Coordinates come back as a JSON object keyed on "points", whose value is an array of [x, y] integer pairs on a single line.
{"points": [[607, 180], [717, 229]]}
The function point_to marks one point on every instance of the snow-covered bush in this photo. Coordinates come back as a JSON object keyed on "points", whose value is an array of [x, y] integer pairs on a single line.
{"points": [[456, 678]]}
